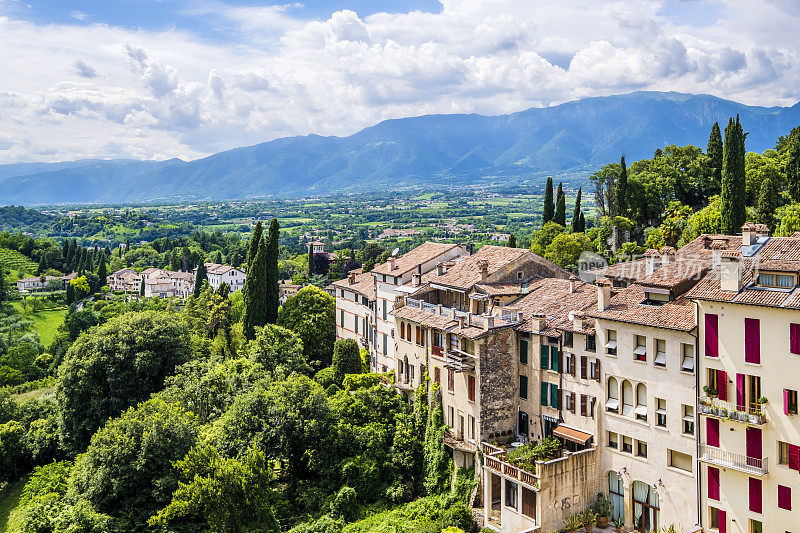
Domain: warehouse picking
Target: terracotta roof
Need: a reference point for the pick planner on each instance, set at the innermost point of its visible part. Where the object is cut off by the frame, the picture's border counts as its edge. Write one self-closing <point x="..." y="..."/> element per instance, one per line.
<point x="627" y="307"/>
<point x="364" y="285"/>
<point x="408" y="261"/>
<point x="446" y="322"/>
<point x="675" y="274"/>
<point x="551" y="297"/>
<point x="503" y="289"/>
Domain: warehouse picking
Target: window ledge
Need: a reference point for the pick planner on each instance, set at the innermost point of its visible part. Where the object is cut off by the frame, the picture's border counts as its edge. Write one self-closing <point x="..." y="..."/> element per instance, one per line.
<point x="640" y="362"/>
<point x="662" y="367"/>
<point x="687" y="372"/>
<point x="753" y="364"/>
<point x="659" y="428"/>
<point x="686" y="473"/>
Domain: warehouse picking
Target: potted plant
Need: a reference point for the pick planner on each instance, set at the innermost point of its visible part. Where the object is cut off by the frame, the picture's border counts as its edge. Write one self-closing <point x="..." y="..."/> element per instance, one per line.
<point x="572" y="523"/>
<point x="619" y="523"/>
<point x="762" y="400"/>
<point x="588" y="520"/>
<point x="603" y="510"/>
<point x="712" y="393"/>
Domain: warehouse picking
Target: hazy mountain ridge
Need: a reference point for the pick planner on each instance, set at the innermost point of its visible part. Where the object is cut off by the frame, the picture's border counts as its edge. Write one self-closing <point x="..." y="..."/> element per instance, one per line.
<point x="573" y="138"/>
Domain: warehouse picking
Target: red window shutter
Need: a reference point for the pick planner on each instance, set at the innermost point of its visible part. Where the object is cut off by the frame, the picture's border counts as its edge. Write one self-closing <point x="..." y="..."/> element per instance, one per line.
<point x="752" y="340"/>
<point x="740" y="391"/>
<point x="471" y="388"/>
<point x="723" y="522"/>
<point x="784" y="497"/>
<point x="722" y="383"/>
<point x="711" y="336"/>
<point x="713" y="483"/>
<point x="712" y="432"/>
<point x="794" y="338"/>
<point x="753" y="443"/>
<point x="794" y="457"/>
<point x="755" y="495"/>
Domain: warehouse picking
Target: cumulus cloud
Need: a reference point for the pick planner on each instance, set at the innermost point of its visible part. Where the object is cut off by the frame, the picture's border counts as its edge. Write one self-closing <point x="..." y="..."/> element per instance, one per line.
<point x="178" y="94"/>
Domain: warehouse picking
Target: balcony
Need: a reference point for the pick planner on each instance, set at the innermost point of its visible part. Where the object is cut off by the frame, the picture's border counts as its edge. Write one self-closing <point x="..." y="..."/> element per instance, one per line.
<point x="752" y="414"/>
<point x="736" y="461"/>
<point x="459" y="361"/>
<point x="494" y="459"/>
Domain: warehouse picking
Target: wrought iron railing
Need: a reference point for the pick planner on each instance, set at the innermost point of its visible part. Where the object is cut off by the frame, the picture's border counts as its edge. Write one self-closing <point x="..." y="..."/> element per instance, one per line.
<point x="750" y="465"/>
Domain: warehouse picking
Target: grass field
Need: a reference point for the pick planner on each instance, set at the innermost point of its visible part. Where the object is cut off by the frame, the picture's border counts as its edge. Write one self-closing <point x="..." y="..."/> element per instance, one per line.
<point x="46" y="322"/>
<point x="9" y="497"/>
<point x="13" y="260"/>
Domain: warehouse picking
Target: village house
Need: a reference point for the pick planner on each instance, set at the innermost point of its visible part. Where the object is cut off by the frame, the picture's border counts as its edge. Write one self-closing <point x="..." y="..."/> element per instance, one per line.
<point x="217" y="274"/>
<point x="124" y="280"/>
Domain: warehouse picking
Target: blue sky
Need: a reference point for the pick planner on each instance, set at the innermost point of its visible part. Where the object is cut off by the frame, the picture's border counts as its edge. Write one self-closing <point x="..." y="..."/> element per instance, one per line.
<point x="172" y="78"/>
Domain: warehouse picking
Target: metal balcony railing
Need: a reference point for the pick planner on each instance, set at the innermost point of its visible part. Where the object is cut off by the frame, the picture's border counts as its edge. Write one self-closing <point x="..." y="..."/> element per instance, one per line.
<point x="749" y="465"/>
<point x="752" y="414"/>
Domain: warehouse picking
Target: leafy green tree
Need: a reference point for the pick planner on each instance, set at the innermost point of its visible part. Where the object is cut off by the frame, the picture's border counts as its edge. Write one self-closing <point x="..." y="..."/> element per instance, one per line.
<point x="549" y="208"/>
<point x="42" y="267"/>
<point x="707" y="220"/>
<point x="543" y="237"/>
<point x="102" y="271"/>
<point x="3" y="293"/>
<point x="255" y="242"/>
<point x="113" y="367"/>
<point x="789" y="216"/>
<point x="561" y="207"/>
<point x="231" y="496"/>
<point x="759" y="167"/>
<point x="604" y="187"/>
<point x="436" y="458"/>
<point x="512" y="241"/>
<point x="278" y="350"/>
<point x="714" y="153"/>
<point x="346" y="358"/>
<point x="566" y="248"/>
<point x="200" y="277"/>
<point x="767" y="203"/>
<point x="311" y="314"/>
<point x="223" y="290"/>
<point x="272" y="295"/>
<point x="128" y="469"/>
<point x="733" y="209"/>
<point x="70" y="294"/>
<point x="81" y="287"/>
<point x="789" y="149"/>
<point x="576" y="213"/>
<point x="255" y="295"/>
<point x="13" y="453"/>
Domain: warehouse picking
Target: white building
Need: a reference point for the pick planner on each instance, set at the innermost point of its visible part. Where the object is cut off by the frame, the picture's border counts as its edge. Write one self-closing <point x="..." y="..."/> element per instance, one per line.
<point x="217" y="273"/>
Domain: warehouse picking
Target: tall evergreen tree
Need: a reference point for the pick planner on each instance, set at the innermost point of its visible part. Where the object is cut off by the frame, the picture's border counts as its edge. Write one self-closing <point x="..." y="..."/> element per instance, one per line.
<point x="561" y="207"/>
<point x="789" y="147"/>
<point x="255" y="241"/>
<point x="512" y="241"/>
<point x="102" y="271"/>
<point x="733" y="210"/>
<point x="70" y="294"/>
<point x="714" y="153"/>
<point x="310" y="260"/>
<point x="767" y="203"/>
<point x="436" y="461"/>
<point x="549" y="208"/>
<point x="576" y="213"/>
<point x="255" y="293"/>
<point x="273" y="294"/>
<point x="583" y="224"/>
<point x="621" y="193"/>
<point x="141" y="288"/>
<point x="199" y="278"/>
<point x="42" y="267"/>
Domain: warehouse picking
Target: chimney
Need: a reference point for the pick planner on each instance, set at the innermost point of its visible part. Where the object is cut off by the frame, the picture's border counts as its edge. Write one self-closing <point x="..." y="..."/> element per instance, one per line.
<point x="730" y="277"/>
<point x="439" y="269"/>
<point x="453" y="313"/>
<point x="416" y="279"/>
<point x="352" y="278"/>
<point x="461" y="321"/>
<point x="572" y="283"/>
<point x="483" y="265"/>
<point x="488" y="322"/>
<point x="716" y="252"/>
<point x="652" y="261"/>
<point x="748" y="234"/>
<point x="667" y="255"/>
<point x="391" y="263"/>
<point x="762" y="230"/>
<point x="603" y="294"/>
<point x="539" y="321"/>
<point x="577" y="320"/>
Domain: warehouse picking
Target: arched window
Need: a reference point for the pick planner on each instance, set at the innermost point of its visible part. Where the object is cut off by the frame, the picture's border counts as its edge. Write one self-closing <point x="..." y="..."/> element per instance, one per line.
<point x="641" y="402"/>
<point x="627" y="398"/>
<point x="402" y="330"/>
<point x="612" y="401"/>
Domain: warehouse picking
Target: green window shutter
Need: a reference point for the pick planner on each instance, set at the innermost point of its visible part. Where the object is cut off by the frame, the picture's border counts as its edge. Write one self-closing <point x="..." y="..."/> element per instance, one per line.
<point x="523" y="352"/>
<point x="554" y="395"/>
<point x="545" y="357"/>
<point x="523" y="387"/>
<point x="545" y="387"/>
<point x="554" y="358"/>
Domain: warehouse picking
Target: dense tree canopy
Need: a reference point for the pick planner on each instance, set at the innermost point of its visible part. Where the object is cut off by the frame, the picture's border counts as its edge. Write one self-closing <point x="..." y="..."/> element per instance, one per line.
<point x="311" y="314"/>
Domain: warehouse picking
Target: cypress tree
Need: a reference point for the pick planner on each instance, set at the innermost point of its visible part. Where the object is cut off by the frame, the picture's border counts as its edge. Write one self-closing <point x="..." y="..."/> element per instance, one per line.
<point x="2" y="285"/>
<point x="199" y="278"/>
<point x="65" y="249"/>
<point x="621" y="193"/>
<point x="255" y="293"/>
<point x="714" y="153"/>
<point x="549" y="208"/>
<point x="767" y="202"/>
<point x="70" y="294"/>
<point x="255" y="240"/>
<point x="141" y="288"/>
<point x="127" y="245"/>
<point x="733" y="211"/>
<point x="42" y="267"/>
<point x="789" y="147"/>
<point x="102" y="271"/>
<point x="583" y="224"/>
<point x="273" y="291"/>
<point x="310" y="260"/>
<point x="512" y="241"/>
<point x="576" y="214"/>
<point x="561" y="207"/>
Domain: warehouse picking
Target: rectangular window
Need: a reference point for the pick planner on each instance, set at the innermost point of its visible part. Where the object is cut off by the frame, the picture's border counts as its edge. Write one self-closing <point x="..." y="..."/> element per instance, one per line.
<point x="523" y="387"/>
<point x="544" y="357"/>
<point x="783" y="453"/>
<point x="341" y="317"/>
<point x="711" y="335"/>
<point x="471" y="388"/>
<point x="640" y="351"/>
<point x="627" y="444"/>
<point x="756" y="526"/>
<point x="471" y="420"/>
<point x="543" y="391"/>
<point x="355" y="324"/>
<point x="528" y="503"/>
<point x="584" y="367"/>
<point x="511" y="494"/>
<point x="713" y="517"/>
<point x="688" y="420"/>
<point x="612" y="440"/>
<point x="755" y="494"/>
<point x="641" y="449"/>
<point x="611" y="342"/>
<point x="784" y="497"/>
<point x="681" y="461"/>
<point x="569" y="363"/>
<point x="661" y="353"/>
<point x="687" y="361"/>
<point x="385" y="345"/>
<point x="752" y="341"/>
<point x="661" y="412"/>
<point x="590" y="343"/>
<point x="794" y="338"/>
<point x="789" y="402"/>
<point x="523" y="352"/>
<point x="451" y="417"/>
<point x="385" y="309"/>
<point x="451" y="379"/>
<point x="568" y="338"/>
<point x="713" y="483"/>
<point x="554" y="396"/>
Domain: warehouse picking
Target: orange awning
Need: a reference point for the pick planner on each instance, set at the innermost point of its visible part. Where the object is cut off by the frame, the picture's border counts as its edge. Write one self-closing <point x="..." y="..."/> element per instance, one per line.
<point x="572" y="434"/>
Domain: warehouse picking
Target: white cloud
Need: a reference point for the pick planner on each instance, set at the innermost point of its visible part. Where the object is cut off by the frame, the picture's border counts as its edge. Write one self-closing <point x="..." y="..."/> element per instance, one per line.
<point x="105" y="91"/>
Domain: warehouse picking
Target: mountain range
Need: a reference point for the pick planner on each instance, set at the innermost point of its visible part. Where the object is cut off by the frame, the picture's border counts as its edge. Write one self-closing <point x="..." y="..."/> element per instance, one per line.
<point x="569" y="141"/>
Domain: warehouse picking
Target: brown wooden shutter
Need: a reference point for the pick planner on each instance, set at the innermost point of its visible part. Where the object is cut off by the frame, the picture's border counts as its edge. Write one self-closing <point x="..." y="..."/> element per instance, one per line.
<point x="471" y="388"/>
<point x="560" y="362"/>
<point x="583" y="404"/>
<point x="573" y="402"/>
<point x="437" y="375"/>
<point x="584" y="366"/>
<point x="597" y="370"/>
<point x="560" y="395"/>
<point x="591" y="407"/>
<point x="528" y="503"/>
<point x="574" y="364"/>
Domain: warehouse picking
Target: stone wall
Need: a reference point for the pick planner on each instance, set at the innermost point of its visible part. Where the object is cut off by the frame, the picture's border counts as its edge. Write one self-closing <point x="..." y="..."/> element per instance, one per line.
<point x="498" y="383"/>
<point x="567" y="486"/>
